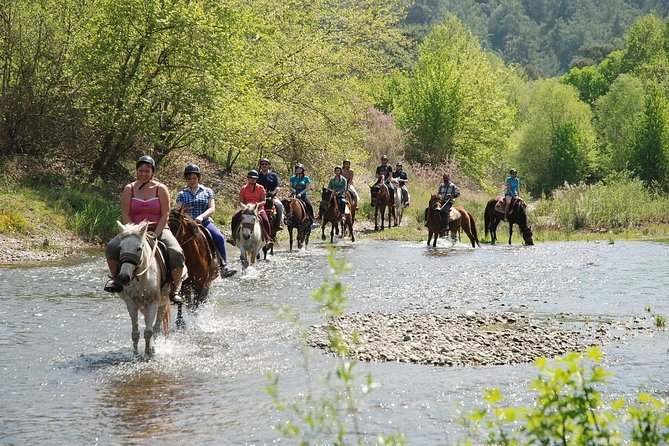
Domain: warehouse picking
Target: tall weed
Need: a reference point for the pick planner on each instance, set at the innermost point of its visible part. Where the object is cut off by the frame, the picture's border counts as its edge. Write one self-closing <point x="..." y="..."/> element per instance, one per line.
<point x="619" y="202"/>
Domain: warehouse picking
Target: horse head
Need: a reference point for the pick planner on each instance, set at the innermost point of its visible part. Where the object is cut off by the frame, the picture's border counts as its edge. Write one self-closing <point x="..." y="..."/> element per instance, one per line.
<point x="249" y="221"/>
<point x="131" y="250"/>
<point x="435" y="202"/>
<point x="521" y="215"/>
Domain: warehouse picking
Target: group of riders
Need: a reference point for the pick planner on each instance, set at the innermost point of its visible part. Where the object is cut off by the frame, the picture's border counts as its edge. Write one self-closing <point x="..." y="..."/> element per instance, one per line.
<point x="146" y="199"/>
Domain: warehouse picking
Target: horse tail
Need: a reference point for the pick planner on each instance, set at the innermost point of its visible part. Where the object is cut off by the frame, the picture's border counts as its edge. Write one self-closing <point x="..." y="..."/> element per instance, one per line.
<point x="473" y="228"/>
<point x="486" y="219"/>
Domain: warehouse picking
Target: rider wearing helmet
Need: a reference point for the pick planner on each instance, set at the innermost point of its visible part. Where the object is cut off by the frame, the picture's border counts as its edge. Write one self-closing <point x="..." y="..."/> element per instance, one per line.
<point x="384" y="173"/>
<point x="147" y="200"/>
<point x="270" y="181"/>
<point x="348" y="173"/>
<point x="400" y="174"/>
<point x="252" y="193"/>
<point x="337" y="186"/>
<point x="199" y="203"/>
<point x="511" y="191"/>
<point x="300" y="184"/>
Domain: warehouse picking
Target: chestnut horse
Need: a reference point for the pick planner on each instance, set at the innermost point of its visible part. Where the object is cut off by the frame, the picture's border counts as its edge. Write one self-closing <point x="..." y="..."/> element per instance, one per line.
<point x="459" y="218"/>
<point x="331" y="213"/>
<point x="297" y="218"/>
<point x="345" y="225"/>
<point x="202" y="259"/>
<point x="381" y="199"/>
<point x="517" y="214"/>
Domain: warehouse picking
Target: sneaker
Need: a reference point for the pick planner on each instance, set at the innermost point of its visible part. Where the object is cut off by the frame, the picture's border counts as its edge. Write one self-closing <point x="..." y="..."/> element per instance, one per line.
<point x="227" y="272"/>
<point x="113" y="287"/>
<point x="279" y="228"/>
<point x="314" y="226"/>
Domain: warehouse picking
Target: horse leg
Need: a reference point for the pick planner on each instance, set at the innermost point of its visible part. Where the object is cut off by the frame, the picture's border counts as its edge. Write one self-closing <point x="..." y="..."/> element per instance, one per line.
<point x="493" y="230"/>
<point x="510" y="231"/>
<point x="323" y="230"/>
<point x="333" y="226"/>
<point x="376" y="217"/>
<point x="133" y="312"/>
<point x="350" y="228"/>
<point x="150" y="317"/>
<point x="160" y="316"/>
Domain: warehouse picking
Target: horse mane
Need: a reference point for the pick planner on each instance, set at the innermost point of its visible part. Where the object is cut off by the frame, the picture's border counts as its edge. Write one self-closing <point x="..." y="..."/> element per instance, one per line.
<point x="132" y="229"/>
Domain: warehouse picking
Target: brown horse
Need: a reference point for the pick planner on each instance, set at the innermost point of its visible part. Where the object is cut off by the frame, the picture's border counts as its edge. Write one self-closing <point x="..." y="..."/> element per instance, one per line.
<point x="347" y="225"/>
<point x="274" y="224"/>
<point x="517" y="214"/>
<point x="381" y="199"/>
<point x="459" y="219"/>
<point x="331" y="213"/>
<point x="202" y="259"/>
<point x="297" y="218"/>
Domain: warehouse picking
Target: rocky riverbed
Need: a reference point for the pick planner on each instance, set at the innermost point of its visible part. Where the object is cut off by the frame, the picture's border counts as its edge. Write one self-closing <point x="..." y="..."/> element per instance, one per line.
<point x="470" y="339"/>
<point x="14" y="250"/>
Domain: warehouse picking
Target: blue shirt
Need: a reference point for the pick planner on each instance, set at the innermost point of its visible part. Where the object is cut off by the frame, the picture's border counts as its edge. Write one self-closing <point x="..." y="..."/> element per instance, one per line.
<point x="402" y="175"/>
<point x="385" y="170"/>
<point x="269" y="181"/>
<point x="513" y="184"/>
<point x="450" y="188"/>
<point x="300" y="184"/>
<point x="196" y="203"/>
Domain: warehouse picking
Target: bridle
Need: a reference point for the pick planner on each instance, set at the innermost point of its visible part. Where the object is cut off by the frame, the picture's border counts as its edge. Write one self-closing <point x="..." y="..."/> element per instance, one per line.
<point x="138" y="260"/>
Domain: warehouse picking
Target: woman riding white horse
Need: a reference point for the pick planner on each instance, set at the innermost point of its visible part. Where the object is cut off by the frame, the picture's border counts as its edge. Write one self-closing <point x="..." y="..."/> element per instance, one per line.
<point x="145" y="288"/>
<point x="248" y="237"/>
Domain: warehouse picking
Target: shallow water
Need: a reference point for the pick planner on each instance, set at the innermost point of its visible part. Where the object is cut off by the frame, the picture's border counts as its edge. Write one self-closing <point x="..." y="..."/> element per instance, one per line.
<point x="68" y="375"/>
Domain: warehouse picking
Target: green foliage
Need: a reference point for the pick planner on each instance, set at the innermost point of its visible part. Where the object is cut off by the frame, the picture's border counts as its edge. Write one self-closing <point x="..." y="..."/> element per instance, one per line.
<point x="621" y="201"/>
<point x="328" y="417"/>
<point x="650" y="157"/>
<point x="617" y="115"/>
<point x="557" y="139"/>
<point x="660" y="321"/>
<point x="13" y="223"/>
<point x="589" y="81"/>
<point x="569" y="410"/>
<point x="455" y="107"/>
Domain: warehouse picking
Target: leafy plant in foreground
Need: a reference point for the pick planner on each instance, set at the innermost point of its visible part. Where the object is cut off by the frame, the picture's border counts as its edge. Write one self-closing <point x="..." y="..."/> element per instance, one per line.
<point x="328" y="415"/>
<point x="569" y="410"/>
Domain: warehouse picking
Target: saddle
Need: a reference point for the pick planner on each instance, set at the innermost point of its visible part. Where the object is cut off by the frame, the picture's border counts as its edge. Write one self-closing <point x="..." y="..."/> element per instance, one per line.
<point x="499" y="206"/>
<point x="163" y="259"/>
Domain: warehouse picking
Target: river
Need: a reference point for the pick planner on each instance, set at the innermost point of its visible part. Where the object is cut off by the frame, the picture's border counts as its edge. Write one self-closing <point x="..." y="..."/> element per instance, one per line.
<point x="68" y="375"/>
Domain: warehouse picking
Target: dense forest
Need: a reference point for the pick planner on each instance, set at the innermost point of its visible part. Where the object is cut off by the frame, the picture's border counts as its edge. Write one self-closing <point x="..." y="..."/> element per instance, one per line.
<point x="436" y="82"/>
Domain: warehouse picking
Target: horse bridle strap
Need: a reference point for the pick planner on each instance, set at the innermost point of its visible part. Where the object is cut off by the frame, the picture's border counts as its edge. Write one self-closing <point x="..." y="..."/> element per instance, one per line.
<point x="148" y="264"/>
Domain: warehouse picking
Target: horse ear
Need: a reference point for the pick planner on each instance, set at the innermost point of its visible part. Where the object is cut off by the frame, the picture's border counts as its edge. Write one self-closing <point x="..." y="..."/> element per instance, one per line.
<point x="121" y="226"/>
<point x="143" y="228"/>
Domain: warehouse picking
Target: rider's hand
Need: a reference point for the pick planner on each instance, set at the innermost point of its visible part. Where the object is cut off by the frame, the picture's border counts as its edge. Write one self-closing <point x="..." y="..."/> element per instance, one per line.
<point x="152" y="234"/>
<point x="198" y="220"/>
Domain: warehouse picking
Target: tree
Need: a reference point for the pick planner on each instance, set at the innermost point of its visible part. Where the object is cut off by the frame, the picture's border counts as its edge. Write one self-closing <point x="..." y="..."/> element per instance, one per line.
<point x="148" y="72"/>
<point x="557" y="139"/>
<point x="455" y="107"/>
<point x="650" y="156"/>
<point x="617" y="115"/>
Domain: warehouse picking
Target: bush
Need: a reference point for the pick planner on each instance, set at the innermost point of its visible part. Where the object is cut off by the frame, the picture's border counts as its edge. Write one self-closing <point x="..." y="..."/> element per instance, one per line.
<point x="569" y="410"/>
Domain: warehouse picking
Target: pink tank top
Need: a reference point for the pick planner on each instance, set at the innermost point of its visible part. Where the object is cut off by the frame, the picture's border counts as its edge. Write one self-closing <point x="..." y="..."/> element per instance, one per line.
<point x="148" y="210"/>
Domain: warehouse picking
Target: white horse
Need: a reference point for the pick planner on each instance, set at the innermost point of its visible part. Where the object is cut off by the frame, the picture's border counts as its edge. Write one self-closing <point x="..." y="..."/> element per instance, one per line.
<point x="144" y="287"/>
<point x="397" y="199"/>
<point x="249" y="237"/>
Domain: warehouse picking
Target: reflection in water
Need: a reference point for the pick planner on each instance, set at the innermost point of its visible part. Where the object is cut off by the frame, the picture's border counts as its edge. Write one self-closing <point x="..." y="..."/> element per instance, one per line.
<point x="143" y="404"/>
<point x="67" y="354"/>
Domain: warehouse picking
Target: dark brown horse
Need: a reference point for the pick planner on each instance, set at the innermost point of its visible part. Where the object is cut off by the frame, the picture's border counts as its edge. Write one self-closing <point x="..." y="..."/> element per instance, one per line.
<point x="331" y="213"/>
<point x="202" y="259"/>
<point x="517" y="214"/>
<point x="382" y="200"/>
<point x="459" y="219"/>
<point x="274" y="224"/>
<point x="297" y="218"/>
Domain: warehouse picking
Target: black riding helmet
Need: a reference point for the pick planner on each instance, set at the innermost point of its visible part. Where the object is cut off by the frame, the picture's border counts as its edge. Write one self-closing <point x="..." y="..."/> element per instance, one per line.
<point x="252" y="174"/>
<point x="146" y="159"/>
<point x="192" y="168"/>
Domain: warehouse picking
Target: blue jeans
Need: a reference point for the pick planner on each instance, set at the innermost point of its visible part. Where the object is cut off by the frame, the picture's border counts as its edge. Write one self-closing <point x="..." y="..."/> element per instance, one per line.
<point x="219" y="239"/>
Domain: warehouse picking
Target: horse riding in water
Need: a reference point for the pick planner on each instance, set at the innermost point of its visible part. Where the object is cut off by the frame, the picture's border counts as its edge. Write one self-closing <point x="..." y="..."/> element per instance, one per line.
<point x="297" y="218"/>
<point x="458" y="218"/>
<point x="398" y="205"/>
<point x="517" y="213"/>
<point x="144" y="278"/>
<point x="382" y="200"/>
<point x="202" y="259"/>
<point x="248" y="236"/>
<point x="332" y="212"/>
